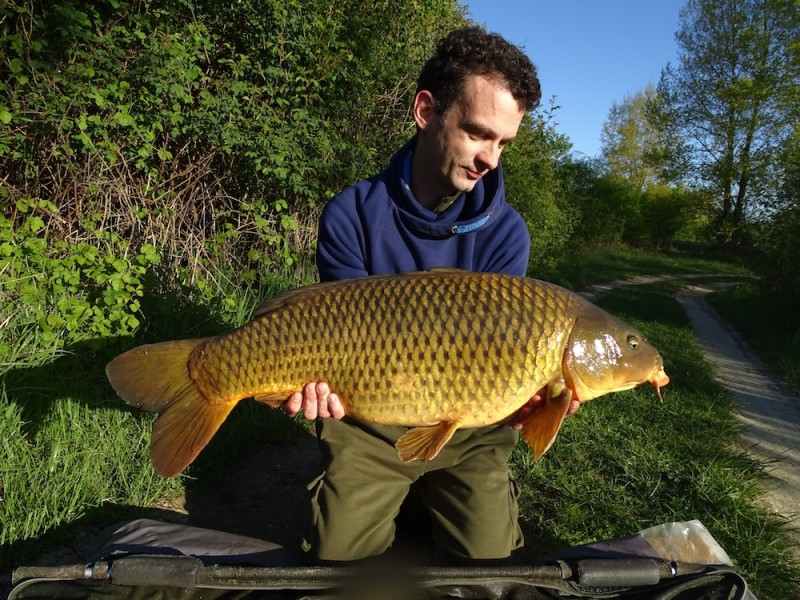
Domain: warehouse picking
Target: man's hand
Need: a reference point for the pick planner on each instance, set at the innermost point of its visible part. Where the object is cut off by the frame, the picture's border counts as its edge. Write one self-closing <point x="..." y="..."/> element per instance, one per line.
<point x="524" y="412"/>
<point x="316" y="400"/>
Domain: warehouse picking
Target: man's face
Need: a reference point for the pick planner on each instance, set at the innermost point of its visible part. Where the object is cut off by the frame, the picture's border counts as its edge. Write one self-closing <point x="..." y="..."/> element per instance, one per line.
<point x="465" y="143"/>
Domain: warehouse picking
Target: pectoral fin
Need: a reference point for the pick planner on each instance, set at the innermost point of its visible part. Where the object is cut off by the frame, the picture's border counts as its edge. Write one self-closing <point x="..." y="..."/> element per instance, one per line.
<point x="425" y="442"/>
<point x="541" y="427"/>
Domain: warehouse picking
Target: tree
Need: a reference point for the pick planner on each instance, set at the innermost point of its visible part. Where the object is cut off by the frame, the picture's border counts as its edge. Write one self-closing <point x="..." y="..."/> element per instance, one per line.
<point x="731" y="101"/>
<point x="632" y="145"/>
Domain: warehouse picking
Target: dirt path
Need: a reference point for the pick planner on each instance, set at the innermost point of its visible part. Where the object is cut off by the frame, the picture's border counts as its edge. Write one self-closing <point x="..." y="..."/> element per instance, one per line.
<point x="768" y="410"/>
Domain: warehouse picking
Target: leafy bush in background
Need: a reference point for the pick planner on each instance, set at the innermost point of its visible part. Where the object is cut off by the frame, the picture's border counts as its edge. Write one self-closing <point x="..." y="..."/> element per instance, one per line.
<point x="608" y="209"/>
<point x="534" y="189"/>
<point x="200" y="135"/>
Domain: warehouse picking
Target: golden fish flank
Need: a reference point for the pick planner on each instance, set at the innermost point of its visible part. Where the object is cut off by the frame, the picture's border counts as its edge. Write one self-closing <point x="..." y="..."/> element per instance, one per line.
<point x="403" y="350"/>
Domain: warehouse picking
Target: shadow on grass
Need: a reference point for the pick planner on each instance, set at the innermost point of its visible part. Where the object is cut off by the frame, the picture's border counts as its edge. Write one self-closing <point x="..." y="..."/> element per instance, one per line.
<point x="251" y="479"/>
<point x="539" y="542"/>
<point x="260" y="493"/>
<point x="78" y="372"/>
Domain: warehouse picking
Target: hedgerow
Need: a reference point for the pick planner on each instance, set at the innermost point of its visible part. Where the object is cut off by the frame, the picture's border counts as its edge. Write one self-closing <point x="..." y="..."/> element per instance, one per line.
<point x="201" y="137"/>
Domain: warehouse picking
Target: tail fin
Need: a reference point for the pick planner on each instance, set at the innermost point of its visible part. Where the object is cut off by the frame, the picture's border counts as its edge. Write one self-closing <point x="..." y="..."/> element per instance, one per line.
<point x="156" y="378"/>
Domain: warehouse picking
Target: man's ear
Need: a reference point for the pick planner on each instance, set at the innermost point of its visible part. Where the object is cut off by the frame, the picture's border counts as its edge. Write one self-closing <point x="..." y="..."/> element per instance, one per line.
<point x="424" y="109"/>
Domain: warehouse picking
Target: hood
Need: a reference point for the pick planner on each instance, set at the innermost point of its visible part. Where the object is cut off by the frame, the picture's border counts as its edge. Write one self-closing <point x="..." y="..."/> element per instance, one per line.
<point x="472" y="211"/>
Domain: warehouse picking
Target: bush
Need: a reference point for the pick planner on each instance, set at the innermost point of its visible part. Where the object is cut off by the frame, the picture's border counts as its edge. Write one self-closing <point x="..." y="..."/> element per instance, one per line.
<point x="779" y="245"/>
<point x="609" y="210"/>
<point x="210" y="131"/>
<point x="532" y="187"/>
<point x="74" y="291"/>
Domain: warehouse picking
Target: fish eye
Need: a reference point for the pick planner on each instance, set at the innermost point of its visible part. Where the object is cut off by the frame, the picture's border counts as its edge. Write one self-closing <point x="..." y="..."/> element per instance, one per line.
<point x="633" y="342"/>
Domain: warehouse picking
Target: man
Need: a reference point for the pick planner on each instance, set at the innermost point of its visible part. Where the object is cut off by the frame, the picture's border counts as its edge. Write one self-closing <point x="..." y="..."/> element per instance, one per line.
<point x="440" y="203"/>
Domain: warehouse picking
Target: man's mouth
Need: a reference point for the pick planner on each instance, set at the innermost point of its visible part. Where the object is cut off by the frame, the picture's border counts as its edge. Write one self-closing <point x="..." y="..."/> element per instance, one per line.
<point x="474" y="175"/>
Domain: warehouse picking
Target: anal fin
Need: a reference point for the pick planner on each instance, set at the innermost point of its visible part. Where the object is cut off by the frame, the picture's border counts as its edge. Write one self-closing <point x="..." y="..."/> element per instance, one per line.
<point x="541" y="427"/>
<point x="273" y="399"/>
<point x="425" y="442"/>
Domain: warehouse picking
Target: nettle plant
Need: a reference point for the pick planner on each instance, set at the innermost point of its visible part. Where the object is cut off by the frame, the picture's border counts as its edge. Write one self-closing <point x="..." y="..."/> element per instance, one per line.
<point x="70" y="290"/>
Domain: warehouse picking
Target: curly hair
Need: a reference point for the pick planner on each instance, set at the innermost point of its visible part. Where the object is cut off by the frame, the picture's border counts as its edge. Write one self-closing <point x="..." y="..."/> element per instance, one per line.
<point x="473" y="51"/>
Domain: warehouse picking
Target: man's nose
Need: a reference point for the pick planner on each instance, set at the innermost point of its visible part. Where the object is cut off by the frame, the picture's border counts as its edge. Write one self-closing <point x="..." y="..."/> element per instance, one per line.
<point x="489" y="156"/>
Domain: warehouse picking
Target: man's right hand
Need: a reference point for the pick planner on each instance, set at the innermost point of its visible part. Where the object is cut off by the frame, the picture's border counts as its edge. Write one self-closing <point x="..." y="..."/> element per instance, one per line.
<point x="316" y="400"/>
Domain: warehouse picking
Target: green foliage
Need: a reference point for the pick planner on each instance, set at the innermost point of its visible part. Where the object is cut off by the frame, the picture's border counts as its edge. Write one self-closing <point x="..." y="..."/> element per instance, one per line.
<point x="778" y="238"/>
<point x="388" y="41"/>
<point x="608" y="209"/>
<point x="781" y="246"/>
<point x="71" y="291"/>
<point x="631" y="141"/>
<point x="209" y="131"/>
<point x="158" y="90"/>
<point x="670" y="213"/>
<point x="188" y="143"/>
<point x="533" y="187"/>
<point x="731" y="102"/>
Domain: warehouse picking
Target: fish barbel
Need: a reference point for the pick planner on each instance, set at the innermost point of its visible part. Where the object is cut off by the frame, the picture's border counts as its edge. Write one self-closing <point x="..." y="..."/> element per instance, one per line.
<point x="434" y="350"/>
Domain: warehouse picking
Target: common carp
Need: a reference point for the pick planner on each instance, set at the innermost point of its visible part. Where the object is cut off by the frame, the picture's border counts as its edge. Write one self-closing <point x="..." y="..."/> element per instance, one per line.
<point x="435" y="350"/>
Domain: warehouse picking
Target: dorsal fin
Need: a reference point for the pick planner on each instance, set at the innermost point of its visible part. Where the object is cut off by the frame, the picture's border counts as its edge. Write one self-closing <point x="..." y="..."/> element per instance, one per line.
<point x="288" y="296"/>
<point x="446" y="270"/>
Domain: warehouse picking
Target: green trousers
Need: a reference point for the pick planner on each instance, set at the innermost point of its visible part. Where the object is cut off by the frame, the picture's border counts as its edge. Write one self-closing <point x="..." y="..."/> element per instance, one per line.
<point x="467" y="489"/>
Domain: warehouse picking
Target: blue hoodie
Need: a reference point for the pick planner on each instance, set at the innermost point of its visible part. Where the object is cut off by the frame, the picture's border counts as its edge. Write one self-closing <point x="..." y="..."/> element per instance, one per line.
<point x="377" y="227"/>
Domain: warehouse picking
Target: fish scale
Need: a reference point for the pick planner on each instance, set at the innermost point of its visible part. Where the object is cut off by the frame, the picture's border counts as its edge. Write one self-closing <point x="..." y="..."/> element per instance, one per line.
<point x="405" y="343"/>
<point x="442" y="348"/>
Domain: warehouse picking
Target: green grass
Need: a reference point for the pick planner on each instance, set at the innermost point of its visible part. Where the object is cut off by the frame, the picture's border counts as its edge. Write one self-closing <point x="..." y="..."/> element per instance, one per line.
<point x="66" y="449"/>
<point x="73" y="455"/>
<point x="584" y="267"/>
<point x="775" y="332"/>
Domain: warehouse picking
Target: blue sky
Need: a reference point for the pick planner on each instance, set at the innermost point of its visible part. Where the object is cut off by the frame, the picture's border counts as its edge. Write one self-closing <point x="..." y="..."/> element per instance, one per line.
<point x="589" y="53"/>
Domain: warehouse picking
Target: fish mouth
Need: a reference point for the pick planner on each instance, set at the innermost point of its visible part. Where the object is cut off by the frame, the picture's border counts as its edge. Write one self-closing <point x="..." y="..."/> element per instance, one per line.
<point x="659" y="380"/>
